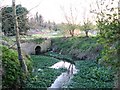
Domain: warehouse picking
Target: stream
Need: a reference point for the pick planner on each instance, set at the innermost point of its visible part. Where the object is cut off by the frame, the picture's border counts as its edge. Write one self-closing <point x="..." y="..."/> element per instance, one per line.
<point x="64" y="79"/>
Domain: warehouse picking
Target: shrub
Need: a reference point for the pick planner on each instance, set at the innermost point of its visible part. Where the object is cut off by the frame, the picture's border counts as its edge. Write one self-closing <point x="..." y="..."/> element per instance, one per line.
<point x="11" y="68"/>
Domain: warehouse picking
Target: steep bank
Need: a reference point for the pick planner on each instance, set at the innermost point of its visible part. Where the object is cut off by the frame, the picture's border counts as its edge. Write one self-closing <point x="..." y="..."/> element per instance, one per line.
<point x="80" y="48"/>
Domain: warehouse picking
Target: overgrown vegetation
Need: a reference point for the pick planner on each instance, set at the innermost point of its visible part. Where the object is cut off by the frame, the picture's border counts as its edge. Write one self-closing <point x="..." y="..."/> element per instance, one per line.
<point x="109" y="35"/>
<point x="92" y="75"/>
<point x="11" y="68"/>
<point x="109" y="25"/>
<point x="43" y="76"/>
<point x="78" y="47"/>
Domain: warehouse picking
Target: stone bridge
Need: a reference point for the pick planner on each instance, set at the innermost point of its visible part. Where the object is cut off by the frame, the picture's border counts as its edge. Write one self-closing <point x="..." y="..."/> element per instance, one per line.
<point x="34" y="48"/>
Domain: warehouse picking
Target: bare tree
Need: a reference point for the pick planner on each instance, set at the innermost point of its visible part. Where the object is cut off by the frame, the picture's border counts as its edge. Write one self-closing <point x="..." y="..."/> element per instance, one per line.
<point x="71" y="20"/>
<point x="87" y="24"/>
<point x="86" y="27"/>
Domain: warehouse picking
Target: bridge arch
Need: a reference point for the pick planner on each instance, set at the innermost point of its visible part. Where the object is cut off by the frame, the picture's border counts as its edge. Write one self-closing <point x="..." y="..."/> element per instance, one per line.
<point x="37" y="50"/>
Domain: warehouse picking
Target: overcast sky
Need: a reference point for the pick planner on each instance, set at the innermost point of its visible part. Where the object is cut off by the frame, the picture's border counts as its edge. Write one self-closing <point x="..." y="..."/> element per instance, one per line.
<point x="50" y="9"/>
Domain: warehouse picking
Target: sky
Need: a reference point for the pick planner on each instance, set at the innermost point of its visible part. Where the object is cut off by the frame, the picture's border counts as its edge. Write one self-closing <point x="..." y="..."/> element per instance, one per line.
<point x="51" y="9"/>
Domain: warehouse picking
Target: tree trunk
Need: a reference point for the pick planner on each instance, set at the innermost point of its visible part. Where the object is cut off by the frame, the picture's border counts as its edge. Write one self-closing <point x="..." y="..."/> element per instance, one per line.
<point x="71" y="32"/>
<point x="86" y="33"/>
<point x="118" y="72"/>
<point x="22" y="62"/>
<point x="117" y="80"/>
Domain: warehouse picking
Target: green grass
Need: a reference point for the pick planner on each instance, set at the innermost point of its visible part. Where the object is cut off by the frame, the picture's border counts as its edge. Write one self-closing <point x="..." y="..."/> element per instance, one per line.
<point x="46" y="76"/>
<point x="75" y="42"/>
<point x="83" y="45"/>
<point x="92" y="75"/>
<point x="9" y="40"/>
<point x="36" y="40"/>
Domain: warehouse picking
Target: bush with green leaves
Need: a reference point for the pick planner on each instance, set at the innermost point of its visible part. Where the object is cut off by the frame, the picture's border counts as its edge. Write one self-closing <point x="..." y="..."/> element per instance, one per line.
<point x="8" y="22"/>
<point x="109" y="25"/>
<point x="11" y="68"/>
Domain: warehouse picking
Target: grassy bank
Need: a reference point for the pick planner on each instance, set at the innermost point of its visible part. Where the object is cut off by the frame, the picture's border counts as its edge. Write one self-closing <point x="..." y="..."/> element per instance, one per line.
<point x="78" y="47"/>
